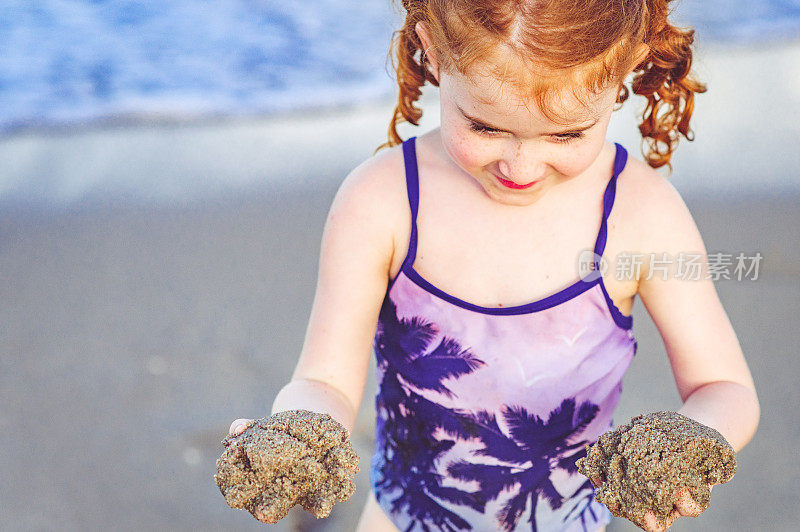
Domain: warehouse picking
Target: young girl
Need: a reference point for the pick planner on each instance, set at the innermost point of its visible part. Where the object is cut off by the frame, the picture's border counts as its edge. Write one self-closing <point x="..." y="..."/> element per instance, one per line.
<point x="455" y="256"/>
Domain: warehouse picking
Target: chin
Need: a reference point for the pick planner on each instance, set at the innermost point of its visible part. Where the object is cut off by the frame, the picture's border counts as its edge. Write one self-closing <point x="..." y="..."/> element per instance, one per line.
<point x="512" y="198"/>
<point x="516" y="202"/>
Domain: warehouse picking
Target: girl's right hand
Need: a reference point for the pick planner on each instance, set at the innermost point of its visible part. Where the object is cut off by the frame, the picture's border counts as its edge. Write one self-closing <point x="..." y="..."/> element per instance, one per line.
<point x="306" y="437"/>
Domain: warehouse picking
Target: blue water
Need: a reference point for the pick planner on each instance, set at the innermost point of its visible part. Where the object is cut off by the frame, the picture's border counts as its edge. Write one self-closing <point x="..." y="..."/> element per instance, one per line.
<point x="76" y="61"/>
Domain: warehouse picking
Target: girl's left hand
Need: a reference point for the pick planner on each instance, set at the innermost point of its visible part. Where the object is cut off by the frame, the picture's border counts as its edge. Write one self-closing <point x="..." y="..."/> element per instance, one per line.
<point x="685" y="506"/>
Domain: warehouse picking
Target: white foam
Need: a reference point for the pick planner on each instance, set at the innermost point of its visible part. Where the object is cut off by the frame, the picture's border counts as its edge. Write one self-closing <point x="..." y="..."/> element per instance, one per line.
<point x="746" y="135"/>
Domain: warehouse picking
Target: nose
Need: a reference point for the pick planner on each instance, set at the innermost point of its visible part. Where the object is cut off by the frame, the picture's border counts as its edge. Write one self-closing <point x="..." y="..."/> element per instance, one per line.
<point x="522" y="165"/>
<point x="505" y="169"/>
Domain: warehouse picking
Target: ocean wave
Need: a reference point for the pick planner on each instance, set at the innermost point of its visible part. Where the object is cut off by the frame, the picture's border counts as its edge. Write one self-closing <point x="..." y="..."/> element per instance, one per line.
<point x="67" y="62"/>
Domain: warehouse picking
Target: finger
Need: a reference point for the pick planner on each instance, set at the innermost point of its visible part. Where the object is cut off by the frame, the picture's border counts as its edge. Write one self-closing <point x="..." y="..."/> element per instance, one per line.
<point x="263" y="514"/>
<point x="685" y="504"/>
<point x="597" y="481"/>
<point x="672" y="517"/>
<point x="652" y="524"/>
<point x="238" y="426"/>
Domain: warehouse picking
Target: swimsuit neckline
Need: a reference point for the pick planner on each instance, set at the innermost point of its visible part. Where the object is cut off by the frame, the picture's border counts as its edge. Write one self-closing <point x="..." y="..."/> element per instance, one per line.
<point x="561" y="296"/>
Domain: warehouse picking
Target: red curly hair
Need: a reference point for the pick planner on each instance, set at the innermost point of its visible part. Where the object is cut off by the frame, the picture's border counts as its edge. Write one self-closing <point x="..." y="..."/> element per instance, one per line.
<point x="585" y="43"/>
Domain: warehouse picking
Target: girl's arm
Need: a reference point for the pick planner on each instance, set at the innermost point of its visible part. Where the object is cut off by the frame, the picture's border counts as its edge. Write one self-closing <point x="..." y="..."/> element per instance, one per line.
<point x="710" y="371"/>
<point x="356" y="254"/>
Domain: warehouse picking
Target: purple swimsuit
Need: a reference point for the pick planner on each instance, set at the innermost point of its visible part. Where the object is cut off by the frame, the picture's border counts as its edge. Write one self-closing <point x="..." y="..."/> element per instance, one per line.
<point x="482" y="412"/>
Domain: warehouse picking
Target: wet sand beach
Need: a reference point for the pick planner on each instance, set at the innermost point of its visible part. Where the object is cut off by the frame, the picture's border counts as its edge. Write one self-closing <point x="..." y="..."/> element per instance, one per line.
<point x="135" y="328"/>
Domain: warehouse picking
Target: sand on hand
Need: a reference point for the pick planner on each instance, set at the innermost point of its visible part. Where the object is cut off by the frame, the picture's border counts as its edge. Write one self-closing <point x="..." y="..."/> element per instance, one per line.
<point x="646" y="461"/>
<point x="289" y="458"/>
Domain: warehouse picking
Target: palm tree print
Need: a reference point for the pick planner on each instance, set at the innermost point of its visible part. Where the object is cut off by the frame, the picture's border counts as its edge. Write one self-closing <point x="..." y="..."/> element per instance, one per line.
<point x="534" y="449"/>
<point x="584" y="503"/>
<point x="407" y="421"/>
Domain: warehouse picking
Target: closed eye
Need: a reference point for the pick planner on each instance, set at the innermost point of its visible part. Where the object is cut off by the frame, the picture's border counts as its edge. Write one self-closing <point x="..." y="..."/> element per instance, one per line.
<point x="568" y="137"/>
<point x="480" y="128"/>
<point x="557" y="137"/>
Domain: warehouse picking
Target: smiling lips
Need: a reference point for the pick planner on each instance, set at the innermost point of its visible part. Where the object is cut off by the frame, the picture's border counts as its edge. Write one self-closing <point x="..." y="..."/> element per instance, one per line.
<point x="515" y="186"/>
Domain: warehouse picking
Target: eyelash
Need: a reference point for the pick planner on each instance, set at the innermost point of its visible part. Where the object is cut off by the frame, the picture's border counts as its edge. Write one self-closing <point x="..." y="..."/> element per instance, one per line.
<point x="480" y="128"/>
<point x="564" y="138"/>
<point x="569" y="137"/>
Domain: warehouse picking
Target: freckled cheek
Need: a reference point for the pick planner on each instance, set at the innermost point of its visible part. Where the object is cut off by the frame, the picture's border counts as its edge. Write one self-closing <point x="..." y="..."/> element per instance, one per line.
<point x="571" y="167"/>
<point x="575" y="162"/>
<point x="467" y="151"/>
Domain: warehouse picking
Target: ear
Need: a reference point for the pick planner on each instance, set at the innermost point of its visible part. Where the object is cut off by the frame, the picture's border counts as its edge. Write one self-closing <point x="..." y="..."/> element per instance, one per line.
<point x="425" y="38"/>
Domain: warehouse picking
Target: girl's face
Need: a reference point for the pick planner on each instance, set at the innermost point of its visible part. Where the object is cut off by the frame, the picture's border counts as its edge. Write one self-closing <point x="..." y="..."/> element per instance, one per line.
<point x="508" y="146"/>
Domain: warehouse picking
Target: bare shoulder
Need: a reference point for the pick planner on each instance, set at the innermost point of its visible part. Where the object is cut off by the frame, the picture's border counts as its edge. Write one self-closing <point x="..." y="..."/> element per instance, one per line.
<point x="377" y="184"/>
<point x="653" y="213"/>
<point x="372" y="202"/>
<point x="647" y="196"/>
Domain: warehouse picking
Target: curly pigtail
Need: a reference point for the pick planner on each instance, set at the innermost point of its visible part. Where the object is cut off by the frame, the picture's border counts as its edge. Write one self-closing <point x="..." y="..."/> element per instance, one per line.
<point x="412" y="73"/>
<point x="664" y="79"/>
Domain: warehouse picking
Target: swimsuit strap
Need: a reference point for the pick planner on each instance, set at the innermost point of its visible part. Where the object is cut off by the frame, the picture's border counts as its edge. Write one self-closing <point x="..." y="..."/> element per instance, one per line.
<point x="412" y="184"/>
<point x="620" y="159"/>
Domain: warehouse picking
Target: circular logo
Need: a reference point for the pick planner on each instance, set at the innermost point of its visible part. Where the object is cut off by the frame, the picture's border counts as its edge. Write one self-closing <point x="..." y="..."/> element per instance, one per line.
<point x="588" y="262"/>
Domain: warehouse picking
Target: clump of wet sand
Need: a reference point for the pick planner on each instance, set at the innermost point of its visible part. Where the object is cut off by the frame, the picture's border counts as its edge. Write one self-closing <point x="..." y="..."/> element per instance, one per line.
<point x="289" y="458"/>
<point x="644" y="462"/>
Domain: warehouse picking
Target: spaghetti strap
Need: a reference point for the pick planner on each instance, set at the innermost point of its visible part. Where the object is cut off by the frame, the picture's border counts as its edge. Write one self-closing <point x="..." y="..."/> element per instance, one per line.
<point x="412" y="185"/>
<point x="620" y="159"/>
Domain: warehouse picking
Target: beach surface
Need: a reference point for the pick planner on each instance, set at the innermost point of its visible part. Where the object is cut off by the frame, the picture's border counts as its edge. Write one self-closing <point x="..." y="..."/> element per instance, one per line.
<point x="156" y="283"/>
